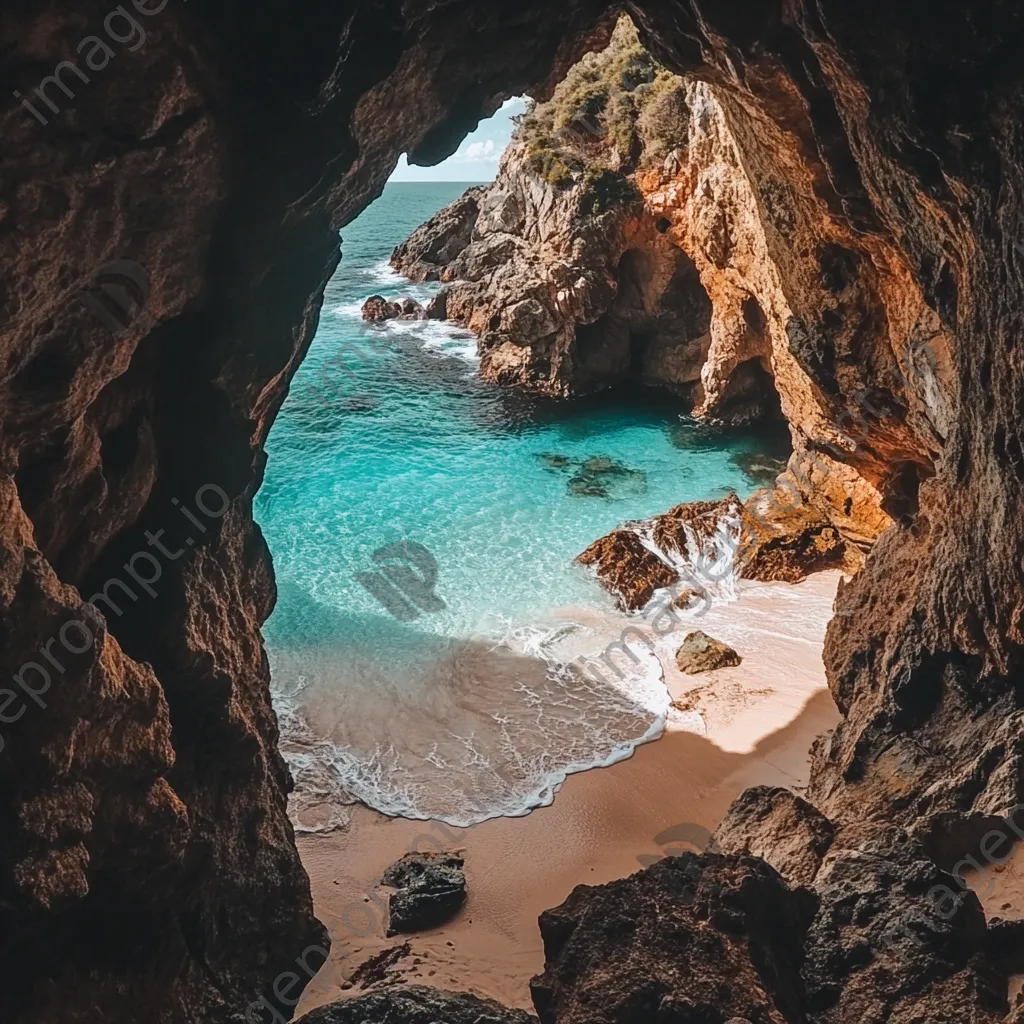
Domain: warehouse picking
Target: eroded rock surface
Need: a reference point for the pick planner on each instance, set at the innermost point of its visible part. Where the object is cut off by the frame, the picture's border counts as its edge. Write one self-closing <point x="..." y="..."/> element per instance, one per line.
<point x="869" y="930"/>
<point x="691" y="938"/>
<point x="779" y="827"/>
<point x="417" y="1005"/>
<point x="702" y="653"/>
<point x="431" y="890"/>
<point x="770" y="538"/>
<point x="869" y="202"/>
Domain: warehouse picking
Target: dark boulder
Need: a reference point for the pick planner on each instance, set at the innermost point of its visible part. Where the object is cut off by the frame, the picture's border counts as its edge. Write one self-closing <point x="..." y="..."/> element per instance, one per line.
<point x="690" y="939"/>
<point x="431" y="889"/>
<point x="377" y="308"/>
<point x="780" y="827"/>
<point x="417" y="1005"/>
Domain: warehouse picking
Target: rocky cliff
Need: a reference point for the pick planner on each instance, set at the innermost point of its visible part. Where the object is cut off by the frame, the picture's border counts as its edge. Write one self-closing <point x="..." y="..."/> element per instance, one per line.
<point x="870" y="205"/>
<point x="644" y="226"/>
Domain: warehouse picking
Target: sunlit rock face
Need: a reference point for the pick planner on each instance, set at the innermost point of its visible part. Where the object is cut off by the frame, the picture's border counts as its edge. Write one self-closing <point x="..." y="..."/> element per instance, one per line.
<point x="646" y="226"/>
<point x="147" y="867"/>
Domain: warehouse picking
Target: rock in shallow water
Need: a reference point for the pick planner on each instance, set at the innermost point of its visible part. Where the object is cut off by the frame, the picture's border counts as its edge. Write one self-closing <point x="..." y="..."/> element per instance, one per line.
<point x="376" y="308"/>
<point x="702" y="653"/>
<point x="628" y="569"/>
<point x="417" y="1005"/>
<point x="431" y="889"/>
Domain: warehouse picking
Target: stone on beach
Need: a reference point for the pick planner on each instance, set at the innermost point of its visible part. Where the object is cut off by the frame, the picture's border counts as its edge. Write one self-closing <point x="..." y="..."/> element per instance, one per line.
<point x="702" y="653"/>
<point x="431" y="888"/>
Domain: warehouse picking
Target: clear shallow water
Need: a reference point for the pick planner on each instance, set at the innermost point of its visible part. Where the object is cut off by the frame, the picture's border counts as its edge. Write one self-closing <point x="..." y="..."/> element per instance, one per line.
<point x="459" y="712"/>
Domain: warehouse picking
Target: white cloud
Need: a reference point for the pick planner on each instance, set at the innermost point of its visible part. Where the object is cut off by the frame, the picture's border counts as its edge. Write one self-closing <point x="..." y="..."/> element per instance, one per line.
<point x="485" y="152"/>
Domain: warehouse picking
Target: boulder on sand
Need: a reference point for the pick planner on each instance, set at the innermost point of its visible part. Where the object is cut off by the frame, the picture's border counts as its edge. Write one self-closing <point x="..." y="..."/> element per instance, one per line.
<point x="431" y="887"/>
<point x="703" y="653"/>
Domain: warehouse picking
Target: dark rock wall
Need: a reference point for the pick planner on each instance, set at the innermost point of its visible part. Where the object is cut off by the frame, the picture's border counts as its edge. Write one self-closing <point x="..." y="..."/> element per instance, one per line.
<point x="147" y="868"/>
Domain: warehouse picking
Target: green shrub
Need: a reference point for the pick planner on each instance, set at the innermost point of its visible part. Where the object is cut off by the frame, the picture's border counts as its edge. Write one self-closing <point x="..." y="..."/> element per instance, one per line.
<point x="619" y="101"/>
<point x="663" y="124"/>
<point x="604" y="190"/>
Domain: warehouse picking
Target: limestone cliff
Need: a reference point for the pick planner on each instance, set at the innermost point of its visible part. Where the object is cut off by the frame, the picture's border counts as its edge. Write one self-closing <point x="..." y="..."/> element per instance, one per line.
<point x="643" y="225"/>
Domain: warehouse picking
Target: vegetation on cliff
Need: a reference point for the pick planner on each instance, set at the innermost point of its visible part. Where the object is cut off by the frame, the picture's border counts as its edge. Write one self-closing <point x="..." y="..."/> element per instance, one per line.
<point x="616" y="110"/>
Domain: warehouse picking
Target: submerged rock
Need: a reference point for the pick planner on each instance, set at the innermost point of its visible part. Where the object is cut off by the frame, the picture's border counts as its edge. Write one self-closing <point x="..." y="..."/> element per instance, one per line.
<point x="602" y="477"/>
<point x="702" y="653"/>
<point x="556" y="461"/>
<point x="417" y="1004"/>
<point x="376" y="308"/>
<point x="581" y="486"/>
<point x="602" y="464"/>
<point x="431" y="890"/>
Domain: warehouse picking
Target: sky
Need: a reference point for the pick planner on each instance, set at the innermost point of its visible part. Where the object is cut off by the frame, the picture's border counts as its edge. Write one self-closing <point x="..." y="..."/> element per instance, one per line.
<point x="477" y="158"/>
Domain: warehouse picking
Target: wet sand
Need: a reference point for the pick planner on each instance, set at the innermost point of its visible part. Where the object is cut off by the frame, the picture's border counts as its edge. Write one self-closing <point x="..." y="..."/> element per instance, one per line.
<point x="755" y="726"/>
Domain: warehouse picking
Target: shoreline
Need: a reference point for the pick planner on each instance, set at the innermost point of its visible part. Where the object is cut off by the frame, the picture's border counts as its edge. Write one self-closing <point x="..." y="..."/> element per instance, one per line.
<point x="757" y="723"/>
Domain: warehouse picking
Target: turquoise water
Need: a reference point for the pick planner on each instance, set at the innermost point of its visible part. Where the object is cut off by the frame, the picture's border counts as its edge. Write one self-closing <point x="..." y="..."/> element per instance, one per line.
<point x="403" y="444"/>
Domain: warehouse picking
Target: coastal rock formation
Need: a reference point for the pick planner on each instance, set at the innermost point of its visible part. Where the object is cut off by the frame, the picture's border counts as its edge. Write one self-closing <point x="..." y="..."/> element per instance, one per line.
<point x="377" y="308"/>
<point x="691" y="938"/>
<point x="779" y="827"/>
<point x="699" y="543"/>
<point x="431" y="890"/>
<point x="628" y="568"/>
<point x="896" y="938"/>
<point x="871" y="931"/>
<point x="702" y="653"/>
<point x="645" y="226"/>
<point x="415" y="1004"/>
<point x="871" y="207"/>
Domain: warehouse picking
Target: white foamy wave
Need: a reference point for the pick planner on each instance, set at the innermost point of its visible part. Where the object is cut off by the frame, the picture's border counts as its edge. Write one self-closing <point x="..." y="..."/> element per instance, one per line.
<point x="448" y="340"/>
<point x="350" y="310"/>
<point x="708" y="563"/>
<point x="386" y="275"/>
<point x="438" y="337"/>
<point x="485" y="730"/>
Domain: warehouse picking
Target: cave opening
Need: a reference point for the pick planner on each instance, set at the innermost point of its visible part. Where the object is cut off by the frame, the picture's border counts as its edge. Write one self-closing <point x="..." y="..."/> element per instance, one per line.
<point x="431" y="482"/>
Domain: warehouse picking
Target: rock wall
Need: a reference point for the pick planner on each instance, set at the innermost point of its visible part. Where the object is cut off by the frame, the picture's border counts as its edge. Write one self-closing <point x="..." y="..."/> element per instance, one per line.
<point x="147" y="868"/>
<point x="719" y="271"/>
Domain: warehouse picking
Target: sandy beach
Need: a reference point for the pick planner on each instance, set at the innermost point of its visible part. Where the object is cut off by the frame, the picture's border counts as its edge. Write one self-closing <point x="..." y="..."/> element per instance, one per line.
<point x="735" y="728"/>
